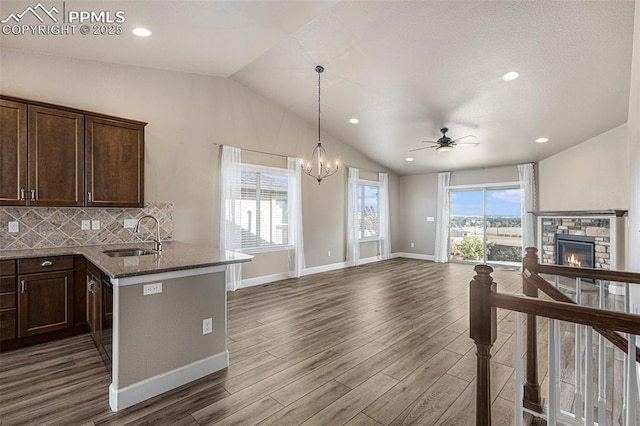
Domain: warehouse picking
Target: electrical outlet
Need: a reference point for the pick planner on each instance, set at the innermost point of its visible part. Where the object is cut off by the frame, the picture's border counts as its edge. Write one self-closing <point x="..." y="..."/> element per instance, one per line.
<point x="130" y="223"/>
<point x="14" y="227"/>
<point x="207" y="326"/>
<point x="154" y="288"/>
<point x="413" y="245"/>
<point x="329" y="253"/>
<point x="85" y="225"/>
<point x="95" y="224"/>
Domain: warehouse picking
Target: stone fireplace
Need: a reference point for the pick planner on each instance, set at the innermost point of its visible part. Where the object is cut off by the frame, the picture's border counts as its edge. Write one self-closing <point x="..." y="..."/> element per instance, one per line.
<point x="587" y="239"/>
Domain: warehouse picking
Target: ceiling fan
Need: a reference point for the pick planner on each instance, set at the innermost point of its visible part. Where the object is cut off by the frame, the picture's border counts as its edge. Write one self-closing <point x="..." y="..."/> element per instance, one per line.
<point x="445" y="143"/>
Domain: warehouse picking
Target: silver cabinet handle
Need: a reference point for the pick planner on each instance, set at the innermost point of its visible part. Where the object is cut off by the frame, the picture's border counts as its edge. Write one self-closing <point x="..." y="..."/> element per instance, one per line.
<point x="22" y="286"/>
<point x="89" y="196"/>
<point x="22" y="195"/>
<point x="46" y="263"/>
<point x="33" y="195"/>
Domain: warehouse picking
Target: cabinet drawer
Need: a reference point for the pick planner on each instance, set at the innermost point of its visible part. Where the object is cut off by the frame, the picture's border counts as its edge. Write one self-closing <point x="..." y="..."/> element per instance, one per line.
<point x="7" y="301"/>
<point x="7" y="267"/>
<point x="7" y="284"/>
<point x="7" y="324"/>
<point x="45" y="264"/>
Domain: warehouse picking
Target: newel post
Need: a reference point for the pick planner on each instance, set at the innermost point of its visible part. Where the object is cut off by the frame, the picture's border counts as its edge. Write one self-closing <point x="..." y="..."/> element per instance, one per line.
<point x="532" y="400"/>
<point x="483" y="330"/>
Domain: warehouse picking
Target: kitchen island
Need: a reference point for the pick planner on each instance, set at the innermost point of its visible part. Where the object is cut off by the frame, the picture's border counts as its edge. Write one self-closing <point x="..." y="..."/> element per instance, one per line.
<point x="158" y="338"/>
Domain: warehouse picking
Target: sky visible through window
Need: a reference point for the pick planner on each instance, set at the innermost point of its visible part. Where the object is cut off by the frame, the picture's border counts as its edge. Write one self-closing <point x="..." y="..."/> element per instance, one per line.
<point x="500" y="202"/>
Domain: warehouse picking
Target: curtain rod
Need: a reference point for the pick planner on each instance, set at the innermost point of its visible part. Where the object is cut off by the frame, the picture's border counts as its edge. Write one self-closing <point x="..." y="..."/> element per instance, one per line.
<point x="256" y="151"/>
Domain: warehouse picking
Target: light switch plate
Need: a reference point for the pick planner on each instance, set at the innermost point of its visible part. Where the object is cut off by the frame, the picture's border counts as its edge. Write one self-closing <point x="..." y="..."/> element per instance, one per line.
<point x="14" y="227"/>
<point x="130" y="223"/>
<point x="430" y="219"/>
<point x="95" y="224"/>
<point x="85" y="225"/>
<point x="154" y="288"/>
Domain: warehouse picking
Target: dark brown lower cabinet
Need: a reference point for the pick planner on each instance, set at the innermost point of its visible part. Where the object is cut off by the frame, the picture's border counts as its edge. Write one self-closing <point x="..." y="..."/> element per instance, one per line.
<point x="94" y="306"/>
<point x="8" y="300"/>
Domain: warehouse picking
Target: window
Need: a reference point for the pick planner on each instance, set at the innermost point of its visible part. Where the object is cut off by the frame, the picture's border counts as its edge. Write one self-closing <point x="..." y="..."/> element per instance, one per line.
<point x="263" y="208"/>
<point x="485" y="225"/>
<point x="368" y="196"/>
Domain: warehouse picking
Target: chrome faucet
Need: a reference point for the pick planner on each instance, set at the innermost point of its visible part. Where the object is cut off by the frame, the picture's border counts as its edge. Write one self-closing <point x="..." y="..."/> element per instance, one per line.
<point x="157" y="244"/>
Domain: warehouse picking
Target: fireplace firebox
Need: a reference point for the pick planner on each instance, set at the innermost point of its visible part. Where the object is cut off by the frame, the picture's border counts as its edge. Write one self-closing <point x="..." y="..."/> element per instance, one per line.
<point x="577" y="251"/>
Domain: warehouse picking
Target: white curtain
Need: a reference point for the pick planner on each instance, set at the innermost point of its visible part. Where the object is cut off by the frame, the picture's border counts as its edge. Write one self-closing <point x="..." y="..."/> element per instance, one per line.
<point x="230" y="233"/>
<point x="353" y="225"/>
<point x="528" y="204"/>
<point x="383" y="216"/>
<point x="296" y="253"/>
<point x="442" y="219"/>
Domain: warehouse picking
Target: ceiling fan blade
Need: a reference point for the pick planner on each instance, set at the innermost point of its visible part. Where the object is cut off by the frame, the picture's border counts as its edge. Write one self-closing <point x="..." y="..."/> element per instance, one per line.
<point x="463" y="137"/>
<point x="424" y="147"/>
<point x="429" y="142"/>
<point x="468" y="144"/>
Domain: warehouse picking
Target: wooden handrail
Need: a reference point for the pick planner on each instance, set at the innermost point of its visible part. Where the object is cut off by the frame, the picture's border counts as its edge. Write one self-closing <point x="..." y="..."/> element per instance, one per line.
<point x="484" y="301"/>
<point x="620" y="321"/>
<point x="598" y="274"/>
<point x="547" y="288"/>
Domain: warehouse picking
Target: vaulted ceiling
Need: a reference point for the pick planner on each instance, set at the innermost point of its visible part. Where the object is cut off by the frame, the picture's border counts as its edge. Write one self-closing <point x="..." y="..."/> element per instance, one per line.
<point x="403" y="68"/>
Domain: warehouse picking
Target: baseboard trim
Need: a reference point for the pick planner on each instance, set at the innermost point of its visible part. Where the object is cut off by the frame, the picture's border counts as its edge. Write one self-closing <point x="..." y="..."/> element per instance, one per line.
<point x="369" y="260"/>
<point x="119" y="399"/>
<point x="325" y="268"/>
<point x="413" y="256"/>
<point x="265" y="279"/>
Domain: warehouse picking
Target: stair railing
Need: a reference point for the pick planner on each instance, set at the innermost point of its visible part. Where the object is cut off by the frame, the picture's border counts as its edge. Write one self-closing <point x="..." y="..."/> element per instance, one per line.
<point x="484" y="300"/>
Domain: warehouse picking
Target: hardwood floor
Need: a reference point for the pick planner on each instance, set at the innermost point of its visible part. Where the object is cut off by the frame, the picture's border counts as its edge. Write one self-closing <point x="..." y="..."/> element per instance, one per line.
<point x="384" y="343"/>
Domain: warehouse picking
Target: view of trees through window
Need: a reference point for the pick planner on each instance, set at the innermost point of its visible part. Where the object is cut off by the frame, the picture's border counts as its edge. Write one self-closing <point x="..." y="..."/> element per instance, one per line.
<point x="486" y="225"/>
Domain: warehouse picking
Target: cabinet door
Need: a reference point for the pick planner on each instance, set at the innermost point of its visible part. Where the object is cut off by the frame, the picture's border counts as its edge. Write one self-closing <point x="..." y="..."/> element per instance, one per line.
<point x="115" y="163"/>
<point x="13" y="153"/>
<point x="56" y="157"/>
<point x="94" y="308"/>
<point x="45" y="302"/>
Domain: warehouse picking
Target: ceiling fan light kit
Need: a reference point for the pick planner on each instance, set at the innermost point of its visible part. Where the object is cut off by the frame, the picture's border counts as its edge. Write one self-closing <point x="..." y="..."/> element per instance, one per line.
<point x="445" y="143"/>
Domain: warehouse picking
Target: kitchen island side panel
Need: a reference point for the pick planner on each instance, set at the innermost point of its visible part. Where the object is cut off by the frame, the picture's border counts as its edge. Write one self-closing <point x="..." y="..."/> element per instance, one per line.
<point x="162" y="332"/>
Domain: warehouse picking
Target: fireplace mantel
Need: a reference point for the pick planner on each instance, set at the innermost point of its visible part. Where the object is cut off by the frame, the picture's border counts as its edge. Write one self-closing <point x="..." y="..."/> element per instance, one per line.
<point x="580" y="213"/>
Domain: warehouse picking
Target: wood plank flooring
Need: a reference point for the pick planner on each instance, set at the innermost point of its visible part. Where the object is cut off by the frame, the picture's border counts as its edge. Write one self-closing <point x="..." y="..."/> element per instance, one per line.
<point x="380" y="344"/>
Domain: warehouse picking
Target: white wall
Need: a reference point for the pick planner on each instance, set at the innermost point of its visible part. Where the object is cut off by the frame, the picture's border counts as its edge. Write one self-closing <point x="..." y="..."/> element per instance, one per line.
<point x="188" y="116"/>
<point x="593" y="175"/>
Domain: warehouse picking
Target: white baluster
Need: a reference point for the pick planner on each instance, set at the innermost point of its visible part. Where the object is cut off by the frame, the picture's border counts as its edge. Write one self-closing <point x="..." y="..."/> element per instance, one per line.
<point x="625" y="376"/>
<point x="579" y="401"/>
<point x="631" y="413"/>
<point x="602" y="366"/>
<point x="518" y="411"/>
<point x="554" y="379"/>
<point x="588" y="378"/>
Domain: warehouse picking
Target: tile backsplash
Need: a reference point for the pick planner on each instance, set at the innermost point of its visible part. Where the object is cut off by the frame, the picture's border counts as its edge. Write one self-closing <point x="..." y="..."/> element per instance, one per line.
<point x="46" y="227"/>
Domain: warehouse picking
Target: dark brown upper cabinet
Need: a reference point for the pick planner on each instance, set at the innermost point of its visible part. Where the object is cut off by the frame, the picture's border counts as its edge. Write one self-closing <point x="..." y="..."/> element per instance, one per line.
<point x="13" y="153"/>
<point x="114" y="163"/>
<point x="57" y="156"/>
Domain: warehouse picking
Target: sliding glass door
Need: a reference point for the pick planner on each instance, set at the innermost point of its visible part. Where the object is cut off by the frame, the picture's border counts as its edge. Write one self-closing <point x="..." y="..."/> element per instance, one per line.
<point x="485" y="225"/>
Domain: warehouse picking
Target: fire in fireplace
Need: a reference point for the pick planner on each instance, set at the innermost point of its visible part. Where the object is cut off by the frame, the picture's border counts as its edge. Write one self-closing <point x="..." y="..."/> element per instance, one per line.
<point x="577" y="251"/>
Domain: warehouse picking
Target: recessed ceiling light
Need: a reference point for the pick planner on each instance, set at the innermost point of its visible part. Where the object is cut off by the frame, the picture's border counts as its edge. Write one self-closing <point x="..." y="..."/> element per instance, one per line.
<point x="141" y="32"/>
<point x="409" y="159"/>
<point x="542" y="140"/>
<point x="354" y="121"/>
<point x="511" y="75"/>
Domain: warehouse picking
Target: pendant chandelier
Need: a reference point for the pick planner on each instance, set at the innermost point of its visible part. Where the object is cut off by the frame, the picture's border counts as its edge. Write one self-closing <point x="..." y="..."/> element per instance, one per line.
<point x="319" y="167"/>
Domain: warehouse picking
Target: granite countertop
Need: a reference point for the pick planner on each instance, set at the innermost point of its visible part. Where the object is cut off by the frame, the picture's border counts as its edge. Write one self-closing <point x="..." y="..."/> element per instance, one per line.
<point x="175" y="256"/>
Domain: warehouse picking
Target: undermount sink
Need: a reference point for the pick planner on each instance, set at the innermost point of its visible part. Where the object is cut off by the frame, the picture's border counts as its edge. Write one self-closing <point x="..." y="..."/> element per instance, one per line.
<point x="128" y="252"/>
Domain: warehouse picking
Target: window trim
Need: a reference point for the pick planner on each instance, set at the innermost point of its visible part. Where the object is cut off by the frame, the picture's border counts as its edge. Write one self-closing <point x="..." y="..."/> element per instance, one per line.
<point x="256" y="168"/>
